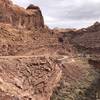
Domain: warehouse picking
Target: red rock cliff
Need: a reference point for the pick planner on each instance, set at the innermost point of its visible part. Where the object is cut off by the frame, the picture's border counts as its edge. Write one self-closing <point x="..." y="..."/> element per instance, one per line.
<point x="20" y="17"/>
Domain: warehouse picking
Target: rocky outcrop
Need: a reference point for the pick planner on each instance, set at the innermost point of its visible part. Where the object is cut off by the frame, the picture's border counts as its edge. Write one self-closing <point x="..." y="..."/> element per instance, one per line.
<point x="14" y="42"/>
<point x="94" y="28"/>
<point x="20" y="17"/>
<point x="28" y="78"/>
<point x="86" y="40"/>
<point x="89" y="40"/>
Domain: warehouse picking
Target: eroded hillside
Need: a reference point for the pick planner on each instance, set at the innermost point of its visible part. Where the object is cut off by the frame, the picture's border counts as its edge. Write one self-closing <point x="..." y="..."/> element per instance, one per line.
<point x="28" y="78"/>
<point x="37" y="63"/>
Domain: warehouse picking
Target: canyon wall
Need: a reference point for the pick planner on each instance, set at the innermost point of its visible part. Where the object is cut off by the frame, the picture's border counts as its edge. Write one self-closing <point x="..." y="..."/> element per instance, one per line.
<point x="20" y="17"/>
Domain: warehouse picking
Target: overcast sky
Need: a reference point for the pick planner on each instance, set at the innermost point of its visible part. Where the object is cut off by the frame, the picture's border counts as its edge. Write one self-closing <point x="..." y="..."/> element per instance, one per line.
<point x="66" y="13"/>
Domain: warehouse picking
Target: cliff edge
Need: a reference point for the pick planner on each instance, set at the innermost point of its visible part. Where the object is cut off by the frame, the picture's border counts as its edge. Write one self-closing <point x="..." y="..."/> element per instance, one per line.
<point x="20" y="17"/>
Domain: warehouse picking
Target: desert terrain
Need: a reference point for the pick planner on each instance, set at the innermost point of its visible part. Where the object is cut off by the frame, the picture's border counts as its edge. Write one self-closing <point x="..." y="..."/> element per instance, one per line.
<point x="39" y="63"/>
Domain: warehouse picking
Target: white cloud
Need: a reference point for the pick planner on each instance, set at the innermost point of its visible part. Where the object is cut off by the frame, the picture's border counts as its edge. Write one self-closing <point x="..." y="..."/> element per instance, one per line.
<point x="66" y="13"/>
<point x="23" y="3"/>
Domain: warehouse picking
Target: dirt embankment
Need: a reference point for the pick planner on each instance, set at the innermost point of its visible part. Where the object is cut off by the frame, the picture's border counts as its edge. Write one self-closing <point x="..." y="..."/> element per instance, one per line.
<point x="28" y="78"/>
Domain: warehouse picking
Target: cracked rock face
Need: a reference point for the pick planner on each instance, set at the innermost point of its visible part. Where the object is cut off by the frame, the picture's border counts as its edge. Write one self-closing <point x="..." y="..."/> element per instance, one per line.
<point x="27" y="78"/>
<point x="20" y="17"/>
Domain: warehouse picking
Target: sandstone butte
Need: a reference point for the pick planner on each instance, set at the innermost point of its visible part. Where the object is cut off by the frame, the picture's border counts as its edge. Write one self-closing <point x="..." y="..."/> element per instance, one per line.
<point x="38" y="63"/>
<point x="20" y="17"/>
